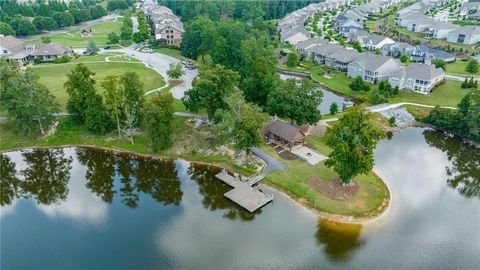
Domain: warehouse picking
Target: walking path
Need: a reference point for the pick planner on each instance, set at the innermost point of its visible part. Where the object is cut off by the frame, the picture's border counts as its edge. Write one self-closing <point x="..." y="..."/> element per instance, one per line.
<point x="459" y="77"/>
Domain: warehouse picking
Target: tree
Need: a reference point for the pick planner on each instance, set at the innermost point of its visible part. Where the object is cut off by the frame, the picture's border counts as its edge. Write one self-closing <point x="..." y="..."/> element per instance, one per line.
<point x="297" y="100"/>
<point x="333" y="108"/>
<point x="472" y="66"/>
<point x="6" y="29"/>
<point x="133" y="92"/>
<point x="92" y="48"/>
<point x="210" y="88"/>
<point x="392" y="121"/>
<point x="96" y="116"/>
<point x="114" y="99"/>
<point x="158" y="121"/>
<point x="359" y="85"/>
<point x="292" y="60"/>
<point x="404" y="58"/>
<point x="97" y="11"/>
<point x="352" y="141"/>
<point x="439" y="63"/>
<point x="22" y="26"/>
<point x="257" y="70"/>
<point x="45" y="39"/>
<point x="175" y="70"/>
<point x="27" y="102"/>
<point x="112" y="38"/>
<point x="356" y="45"/>
<point x="80" y="85"/>
<point x="64" y="18"/>
<point x="241" y="122"/>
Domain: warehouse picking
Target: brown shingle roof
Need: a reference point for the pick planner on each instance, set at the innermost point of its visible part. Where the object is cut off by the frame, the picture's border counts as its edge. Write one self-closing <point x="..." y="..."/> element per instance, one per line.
<point x="285" y="131"/>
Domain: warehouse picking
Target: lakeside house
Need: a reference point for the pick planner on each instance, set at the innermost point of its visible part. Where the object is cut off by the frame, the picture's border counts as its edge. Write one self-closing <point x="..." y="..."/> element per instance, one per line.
<point x="373" y="68"/>
<point x="417" y="77"/>
<point x="284" y="134"/>
<point x="15" y="49"/>
<point x="167" y="27"/>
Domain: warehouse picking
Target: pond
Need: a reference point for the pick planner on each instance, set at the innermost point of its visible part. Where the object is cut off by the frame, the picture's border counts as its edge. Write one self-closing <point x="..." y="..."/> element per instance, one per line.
<point x="85" y="208"/>
<point x="327" y="100"/>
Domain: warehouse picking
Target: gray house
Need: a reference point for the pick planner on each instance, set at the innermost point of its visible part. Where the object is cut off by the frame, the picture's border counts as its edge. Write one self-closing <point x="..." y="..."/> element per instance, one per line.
<point x="416" y="77"/>
<point x="373" y="68"/>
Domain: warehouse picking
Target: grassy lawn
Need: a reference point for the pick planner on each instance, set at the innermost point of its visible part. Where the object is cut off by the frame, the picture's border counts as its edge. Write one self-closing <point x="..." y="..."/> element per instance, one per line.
<point x="297" y="68"/>
<point x="458" y="67"/>
<point x="55" y="75"/>
<point x="73" y="39"/>
<point x="294" y="181"/>
<point x="170" y="52"/>
<point x="447" y="94"/>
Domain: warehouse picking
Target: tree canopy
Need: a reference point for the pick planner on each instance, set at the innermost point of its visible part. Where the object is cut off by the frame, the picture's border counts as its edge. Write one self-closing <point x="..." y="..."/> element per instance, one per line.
<point x="352" y="141"/>
<point x="297" y="100"/>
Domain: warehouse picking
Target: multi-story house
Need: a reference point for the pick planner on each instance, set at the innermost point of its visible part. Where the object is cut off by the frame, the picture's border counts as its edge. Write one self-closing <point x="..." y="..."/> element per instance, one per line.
<point x="465" y="35"/>
<point x="373" y="68"/>
<point x="416" y="77"/>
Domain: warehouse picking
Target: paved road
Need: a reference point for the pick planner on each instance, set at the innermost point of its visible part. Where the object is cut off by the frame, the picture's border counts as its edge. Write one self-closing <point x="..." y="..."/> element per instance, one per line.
<point x="272" y="163"/>
<point x="160" y="63"/>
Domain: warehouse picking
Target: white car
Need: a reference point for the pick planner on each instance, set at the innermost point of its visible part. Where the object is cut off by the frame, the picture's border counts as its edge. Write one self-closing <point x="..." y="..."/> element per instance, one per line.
<point x="147" y="50"/>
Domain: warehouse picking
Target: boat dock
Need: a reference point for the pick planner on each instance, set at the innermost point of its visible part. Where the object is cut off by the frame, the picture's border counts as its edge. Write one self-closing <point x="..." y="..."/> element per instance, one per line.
<point x="243" y="193"/>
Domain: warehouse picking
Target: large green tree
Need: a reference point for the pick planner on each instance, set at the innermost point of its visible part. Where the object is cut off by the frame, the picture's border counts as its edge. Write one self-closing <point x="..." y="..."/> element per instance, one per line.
<point x="175" y="71"/>
<point x="472" y="66"/>
<point x="159" y="121"/>
<point x="297" y="100"/>
<point x="28" y="103"/>
<point x="241" y="122"/>
<point x="133" y="94"/>
<point x="257" y="70"/>
<point x="79" y="85"/>
<point x="352" y="140"/>
<point x="210" y="88"/>
<point x="114" y="99"/>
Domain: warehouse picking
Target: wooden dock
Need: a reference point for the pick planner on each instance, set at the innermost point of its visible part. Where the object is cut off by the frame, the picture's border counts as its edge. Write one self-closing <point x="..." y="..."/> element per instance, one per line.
<point x="243" y="193"/>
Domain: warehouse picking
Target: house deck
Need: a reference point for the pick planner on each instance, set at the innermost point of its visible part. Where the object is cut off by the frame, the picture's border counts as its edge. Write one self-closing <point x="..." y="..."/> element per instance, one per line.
<point x="243" y="193"/>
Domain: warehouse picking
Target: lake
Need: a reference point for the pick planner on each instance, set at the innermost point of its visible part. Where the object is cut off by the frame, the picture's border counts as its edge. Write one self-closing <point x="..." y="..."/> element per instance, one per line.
<point x="86" y="208"/>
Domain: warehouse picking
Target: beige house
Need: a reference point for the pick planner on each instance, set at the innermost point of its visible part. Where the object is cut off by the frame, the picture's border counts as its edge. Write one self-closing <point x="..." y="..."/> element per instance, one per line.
<point x="13" y="48"/>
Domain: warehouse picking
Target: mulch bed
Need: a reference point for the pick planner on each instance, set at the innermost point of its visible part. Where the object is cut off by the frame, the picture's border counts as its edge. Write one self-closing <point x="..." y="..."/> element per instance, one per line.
<point x="333" y="188"/>
<point x="287" y="155"/>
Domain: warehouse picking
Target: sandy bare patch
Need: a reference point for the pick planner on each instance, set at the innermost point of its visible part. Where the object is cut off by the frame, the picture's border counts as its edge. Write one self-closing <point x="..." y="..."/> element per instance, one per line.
<point x="334" y="188"/>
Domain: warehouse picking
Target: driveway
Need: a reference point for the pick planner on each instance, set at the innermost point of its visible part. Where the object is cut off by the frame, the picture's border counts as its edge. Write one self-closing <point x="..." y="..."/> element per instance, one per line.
<point x="307" y="154"/>
<point x="160" y="63"/>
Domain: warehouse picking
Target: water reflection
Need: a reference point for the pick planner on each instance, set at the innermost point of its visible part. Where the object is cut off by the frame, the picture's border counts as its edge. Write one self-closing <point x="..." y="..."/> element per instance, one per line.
<point x="9" y="183"/>
<point x="212" y="191"/>
<point x="339" y="240"/>
<point x="136" y="174"/>
<point x="464" y="171"/>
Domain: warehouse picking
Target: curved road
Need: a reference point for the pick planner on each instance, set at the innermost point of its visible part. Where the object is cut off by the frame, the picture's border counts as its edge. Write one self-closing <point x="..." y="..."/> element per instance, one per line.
<point x="160" y="63"/>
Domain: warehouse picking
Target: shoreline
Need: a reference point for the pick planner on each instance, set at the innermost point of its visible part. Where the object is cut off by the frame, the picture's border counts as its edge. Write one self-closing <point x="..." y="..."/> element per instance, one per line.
<point x="371" y="217"/>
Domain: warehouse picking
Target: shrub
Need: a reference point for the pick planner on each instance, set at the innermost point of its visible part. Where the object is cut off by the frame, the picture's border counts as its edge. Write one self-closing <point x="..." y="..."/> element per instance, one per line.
<point x="63" y="59"/>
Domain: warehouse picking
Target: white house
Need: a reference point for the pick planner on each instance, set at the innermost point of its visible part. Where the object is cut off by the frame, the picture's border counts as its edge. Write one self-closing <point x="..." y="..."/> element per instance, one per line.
<point x="465" y="35"/>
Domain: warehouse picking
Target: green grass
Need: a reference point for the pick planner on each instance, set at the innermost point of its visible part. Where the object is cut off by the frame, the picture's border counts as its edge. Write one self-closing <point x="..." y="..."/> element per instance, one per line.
<point x="297" y="68"/>
<point x="73" y="39"/>
<point x="294" y="181"/>
<point x="55" y="75"/>
<point x="447" y="94"/>
<point x="458" y="67"/>
<point x="170" y="52"/>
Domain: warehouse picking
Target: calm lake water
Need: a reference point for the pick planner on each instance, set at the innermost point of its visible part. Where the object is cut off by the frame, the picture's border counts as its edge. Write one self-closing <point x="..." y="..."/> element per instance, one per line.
<point x="327" y="100"/>
<point x="81" y="208"/>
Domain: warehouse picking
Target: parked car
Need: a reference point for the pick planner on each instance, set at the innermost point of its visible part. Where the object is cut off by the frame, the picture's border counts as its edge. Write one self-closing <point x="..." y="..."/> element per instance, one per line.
<point x="147" y="50"/>
<point x="106" y="47"/>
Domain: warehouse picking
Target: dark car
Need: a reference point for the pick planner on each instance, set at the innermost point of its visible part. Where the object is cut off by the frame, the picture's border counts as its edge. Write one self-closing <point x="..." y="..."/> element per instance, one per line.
<point x="106" y="47"/>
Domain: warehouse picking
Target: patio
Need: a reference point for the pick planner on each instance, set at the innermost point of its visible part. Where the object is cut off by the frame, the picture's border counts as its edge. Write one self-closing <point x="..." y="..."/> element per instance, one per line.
<point x="309" y="155"/>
